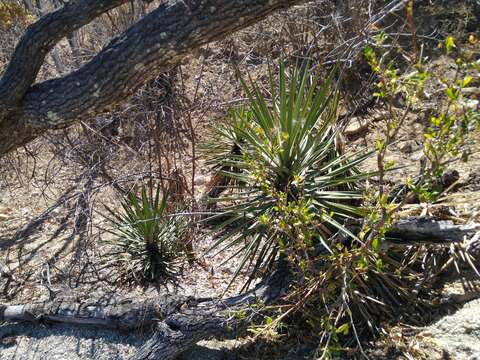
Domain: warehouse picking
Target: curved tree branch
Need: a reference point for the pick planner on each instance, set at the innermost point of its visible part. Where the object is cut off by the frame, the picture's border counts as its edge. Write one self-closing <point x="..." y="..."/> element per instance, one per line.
<point x="37" y="42"/>
<point x="159" y="40"/>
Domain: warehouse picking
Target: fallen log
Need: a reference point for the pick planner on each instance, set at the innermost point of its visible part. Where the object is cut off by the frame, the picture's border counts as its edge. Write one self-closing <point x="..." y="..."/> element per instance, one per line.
<point x="179" y="322"/>
<point x="415" y="230"/>
<point x="123" y="314"/>
<point x="218" y="319"/>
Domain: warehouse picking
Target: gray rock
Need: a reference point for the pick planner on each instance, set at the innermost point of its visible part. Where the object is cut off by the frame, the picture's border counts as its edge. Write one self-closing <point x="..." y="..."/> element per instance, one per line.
<point x="201" y="180"/>
<point x="409" y="146"/>
<point x="458" y="334"/>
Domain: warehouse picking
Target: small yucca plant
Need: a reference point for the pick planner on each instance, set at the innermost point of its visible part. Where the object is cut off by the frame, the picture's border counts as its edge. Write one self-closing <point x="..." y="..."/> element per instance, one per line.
<point x="149" y="243"/>
<point x="223" y="143"/>
<point x="294" y="187"/>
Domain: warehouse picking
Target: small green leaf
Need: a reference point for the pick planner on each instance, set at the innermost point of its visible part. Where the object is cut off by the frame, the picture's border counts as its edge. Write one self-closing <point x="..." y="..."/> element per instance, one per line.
<point x="450" y="44"/>
<point x="379" y="144"/>
<point x="467" y="80"/>
<point x="452" y="95"/>
<point x="343" y="329"/>
<point x="376" y="244"/>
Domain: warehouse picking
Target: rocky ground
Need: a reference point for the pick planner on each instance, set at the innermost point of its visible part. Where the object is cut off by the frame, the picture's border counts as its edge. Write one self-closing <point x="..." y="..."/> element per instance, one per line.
<point x="457" y="335"/>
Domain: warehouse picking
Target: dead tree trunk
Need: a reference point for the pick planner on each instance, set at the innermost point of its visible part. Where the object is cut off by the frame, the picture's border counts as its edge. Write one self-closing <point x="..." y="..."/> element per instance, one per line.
<point x="212" y="319"/>
<point x="411" y="231"/>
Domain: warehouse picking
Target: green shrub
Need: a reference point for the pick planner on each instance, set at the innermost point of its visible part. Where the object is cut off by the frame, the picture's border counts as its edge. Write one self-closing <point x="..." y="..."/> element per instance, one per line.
<point x="294" y="187"/>
<point x="149" y="242"/>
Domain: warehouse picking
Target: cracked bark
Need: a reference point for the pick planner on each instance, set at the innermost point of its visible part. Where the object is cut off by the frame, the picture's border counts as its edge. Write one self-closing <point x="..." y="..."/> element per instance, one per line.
<point x="151" y="46"/>
<point x="38" y="40"/>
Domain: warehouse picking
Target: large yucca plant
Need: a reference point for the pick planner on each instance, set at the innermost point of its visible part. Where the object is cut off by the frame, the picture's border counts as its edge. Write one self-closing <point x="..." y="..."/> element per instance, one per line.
<point x="295" y="188"/>
<point x="148" y="241"/>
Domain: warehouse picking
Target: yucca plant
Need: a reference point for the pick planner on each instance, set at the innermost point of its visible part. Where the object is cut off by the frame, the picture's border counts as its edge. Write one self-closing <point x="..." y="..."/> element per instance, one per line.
<point x="223" y="143"/>
<point x="149" y="242"/>
<point x="295" y="188"/>
<point x="224" y="140"/>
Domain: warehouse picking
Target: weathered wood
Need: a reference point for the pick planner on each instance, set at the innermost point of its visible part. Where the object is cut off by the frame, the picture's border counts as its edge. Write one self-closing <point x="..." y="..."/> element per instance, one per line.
<point x="414" y="231"/>
<point x="179" y="322"/>
<point x="213" y="319"/>
<point x="125" y="314"/>
<point x="427" y="230"/>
